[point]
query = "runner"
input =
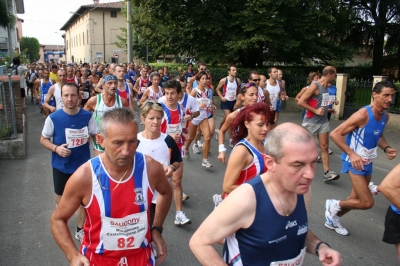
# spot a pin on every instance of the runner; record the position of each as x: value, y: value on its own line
x: 53, y: 73
x: 44, y: 87
x: 55, y: 92
x: 124, y: 89
x: 189, y: 72
x: 390, y: 189
x: 141, y: 83
x: 201, y: 94
x: 115, y: 189
x: 172, y: 125
x: 246, y: 161
x: 193, y: 83
x: 313, y: 76
x: 70, y: 128
x: 230, y: 86
x: 153, y: 92
x: 263, y: 94
x: 104, y: 102
x: 265, y: 220
x: 316, y: 100
x: 87, y: 92
x: 249, y: 96
x: 160, y: 146
x: 274, y: 90
x: 364, y: 130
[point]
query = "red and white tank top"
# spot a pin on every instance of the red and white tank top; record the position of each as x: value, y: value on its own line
x: 154, y: 96
x: 72, y: 80
x: 118, y: 221
x: 143, y: 83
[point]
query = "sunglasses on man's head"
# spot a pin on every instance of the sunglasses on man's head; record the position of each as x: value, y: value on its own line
x: 148, y: 103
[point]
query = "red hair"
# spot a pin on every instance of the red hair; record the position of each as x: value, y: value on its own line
x: 239, y: 130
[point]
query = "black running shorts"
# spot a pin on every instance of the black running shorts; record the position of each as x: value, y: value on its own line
x: 392, y: 227
x: 59, y: 179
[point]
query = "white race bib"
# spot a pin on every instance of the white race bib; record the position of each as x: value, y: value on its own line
x: 297, y: 261
x: 230, y: 95
x: 273, y: 97
x: 85, y: 95
x: 332, y: 99
x: 124, y: 233
x: 203, y: 103
x: 325, y: 99
x: 174, y: 129
x: 367, y: 154
x: 142, y: 89
x: 76, y: 137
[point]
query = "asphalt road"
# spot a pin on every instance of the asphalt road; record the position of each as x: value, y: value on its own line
x: 26, y: 196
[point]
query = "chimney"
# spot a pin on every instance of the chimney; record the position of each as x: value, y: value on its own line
x: 96, y: 2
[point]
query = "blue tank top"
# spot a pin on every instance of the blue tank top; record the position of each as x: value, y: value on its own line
x: 364, y: 140
x: 271, y: 237
x: 80, y: 154
x: 44, y: 90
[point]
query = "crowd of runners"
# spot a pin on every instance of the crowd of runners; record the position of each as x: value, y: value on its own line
x: 99, y: 107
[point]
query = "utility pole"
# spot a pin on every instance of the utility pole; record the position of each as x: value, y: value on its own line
x: 129, y: 30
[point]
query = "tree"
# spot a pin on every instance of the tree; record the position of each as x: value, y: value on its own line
x: 7, y: 17
x: 31, y: 46
x: 249, y: 32
x: 372, y: 21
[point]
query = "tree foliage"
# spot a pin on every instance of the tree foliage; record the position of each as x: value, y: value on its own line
x: 30, y: 46
x: 371, y: 21
x: 252, y: 32
x: 7, y: 17
x: 248, y: 32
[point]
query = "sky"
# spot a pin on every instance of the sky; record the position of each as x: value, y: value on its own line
x: 43, y: 19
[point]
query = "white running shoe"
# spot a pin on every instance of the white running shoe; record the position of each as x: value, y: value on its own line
x: 216, y: 134
x: 181, y: 218
x: 217, y: 199
x: 185, y: 197
x: 373, y: 189
x: 195, y: 149
x: 335, y: 225
x: 206, y: 163
x: 185, y: 153
x: 330, y: 151
x: 79, y: 235
x: 199, y: 144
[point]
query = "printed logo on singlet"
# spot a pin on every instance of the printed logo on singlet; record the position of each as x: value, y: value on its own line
x: 303, y: 229
x: 291, y: 224
x: 278, y: 240
x: 376, y: 132
x: 139, y: 199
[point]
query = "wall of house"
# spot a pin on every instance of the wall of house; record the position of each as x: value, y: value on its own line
x: 87, y: 39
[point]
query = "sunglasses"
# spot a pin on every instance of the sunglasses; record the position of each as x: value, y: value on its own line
x: 256, y: 80
x: 149, y: 103
x: 203, y: 69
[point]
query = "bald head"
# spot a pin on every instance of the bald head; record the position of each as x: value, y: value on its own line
x: 283, y: 135
x: 328, y: 70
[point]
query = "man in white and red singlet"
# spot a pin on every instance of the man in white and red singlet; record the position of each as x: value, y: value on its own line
x: 172, y: 125
x: 71, y: 78
x: 124, y: 89
x: 142, y: 82
x: 153, y: 92
x: 116, y: 190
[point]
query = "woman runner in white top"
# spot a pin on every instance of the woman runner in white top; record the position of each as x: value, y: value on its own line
x: 201, y: 93
x: 154, y: 92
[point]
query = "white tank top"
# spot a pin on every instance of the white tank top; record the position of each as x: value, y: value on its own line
x: 154, y: 96
x: 57, y: 96
x: 273, y: 93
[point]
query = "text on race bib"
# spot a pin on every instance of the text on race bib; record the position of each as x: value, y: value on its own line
x: 76, y: 137
x: 124, y: 233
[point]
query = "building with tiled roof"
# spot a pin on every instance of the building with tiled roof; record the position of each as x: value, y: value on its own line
x: 91, y: 33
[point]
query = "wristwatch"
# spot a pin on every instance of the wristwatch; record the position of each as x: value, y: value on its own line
x: 174, y: 167
x: 157, y: 228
